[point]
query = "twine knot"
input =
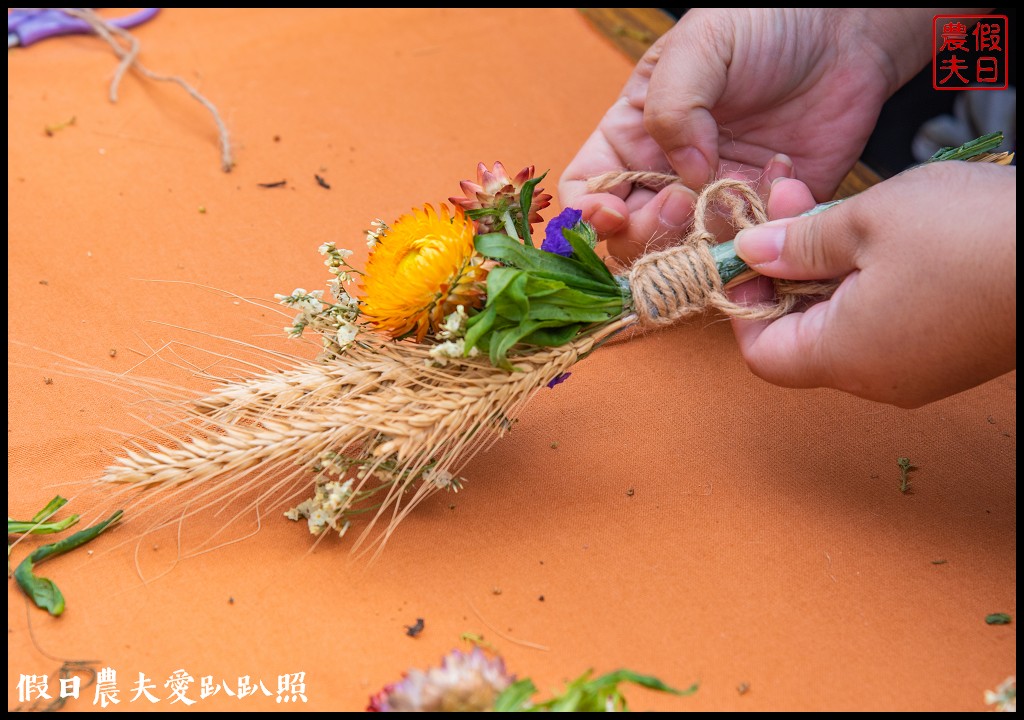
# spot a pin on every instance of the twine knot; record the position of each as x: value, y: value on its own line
x: 684, y: 280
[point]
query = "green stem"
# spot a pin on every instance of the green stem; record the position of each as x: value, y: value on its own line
x: 510, y: 227
x: 730, y: 266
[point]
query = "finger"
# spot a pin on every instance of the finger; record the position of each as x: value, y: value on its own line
x: 798, y: 350
x: 758, y: 291
x: 801, y: 349
x: 820, y: 247
x: 659, y: 223
x: 687, y: 82
x: 596, y: 156
x: 620, y: 143
x: 778, y: 168
x: 788, y: 198
x: 607, y: 213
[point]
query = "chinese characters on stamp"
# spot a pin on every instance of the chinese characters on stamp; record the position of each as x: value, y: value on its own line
x: 970, y: 52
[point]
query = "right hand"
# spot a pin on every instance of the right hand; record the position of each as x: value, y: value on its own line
x: 928, y: 302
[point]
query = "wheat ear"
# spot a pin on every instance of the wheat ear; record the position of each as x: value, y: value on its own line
x: 380, y: 404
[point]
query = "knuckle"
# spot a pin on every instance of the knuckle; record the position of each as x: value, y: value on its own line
x: 660, y: 118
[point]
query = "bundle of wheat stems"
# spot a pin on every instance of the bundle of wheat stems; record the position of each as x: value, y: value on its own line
x: 379, y: 408
x: 379, y: 425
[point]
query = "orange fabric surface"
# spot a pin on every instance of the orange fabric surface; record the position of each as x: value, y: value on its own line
x: 693, y: 522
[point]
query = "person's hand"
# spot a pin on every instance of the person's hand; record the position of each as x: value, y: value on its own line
x: 732, y: 93
x: 928, y: 305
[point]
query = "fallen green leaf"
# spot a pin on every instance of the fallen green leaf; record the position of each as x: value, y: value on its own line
x: 37, y: 525
x: 43, y: 591
x: 583, y: 694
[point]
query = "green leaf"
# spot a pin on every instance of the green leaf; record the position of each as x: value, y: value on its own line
x: 20, y: 527
x: 647, y: 681
x: 493, y: 353
x: 584, y: 253
x: 499, y: 279
x: 525, y: 201
x: 478, y: 326
x: 545, y: 311
x: 510, y: 298
x: 498, y: 246
x: 51, y: 507
x: 998, y: 619
x: 516, y: 697
x: 969, y: 149
x: 538, y: 286
x: 502, y: 342
x: 573, y: 700
x: 586, y: 695
x: 43, y: 591
x: 38, y: 526
x: 552, y: 337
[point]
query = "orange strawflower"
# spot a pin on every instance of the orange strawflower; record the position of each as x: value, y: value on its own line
x: 421, y: 269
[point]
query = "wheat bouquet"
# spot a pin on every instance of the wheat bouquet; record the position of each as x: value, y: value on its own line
x: 430, y: 351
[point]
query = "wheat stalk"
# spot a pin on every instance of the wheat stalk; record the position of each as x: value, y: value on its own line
x: 380, y: 404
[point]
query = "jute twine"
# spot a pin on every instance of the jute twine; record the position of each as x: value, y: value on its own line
x: 130, y: 59
x: 682, y: 281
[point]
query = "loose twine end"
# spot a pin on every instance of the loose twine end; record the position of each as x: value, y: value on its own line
x: 129, y: 55
x: 682, y: 281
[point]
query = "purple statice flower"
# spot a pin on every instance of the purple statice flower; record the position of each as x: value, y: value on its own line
x: 464, y: 682
x: 559, y: 380
x: 554, y: 240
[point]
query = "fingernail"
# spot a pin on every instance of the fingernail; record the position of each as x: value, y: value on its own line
x: 692, y: 167
x: 782, y: 160
x: 776, y: 180
x: 760, y: 245
x: 677, y: 209
x: 607, y: 220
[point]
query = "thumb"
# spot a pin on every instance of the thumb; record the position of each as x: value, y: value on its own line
x: 818, y: 247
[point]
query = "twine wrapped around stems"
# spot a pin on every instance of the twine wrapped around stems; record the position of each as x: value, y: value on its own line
x: 685, y: 280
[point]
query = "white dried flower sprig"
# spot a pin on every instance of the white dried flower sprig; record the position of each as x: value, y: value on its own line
x: 379, y: 228
x: 454, y: 325
x: 454, y: 346
x: 444, y: 480
x: 326, y: 509
x: 336, y: 261
x: 335, y: 322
